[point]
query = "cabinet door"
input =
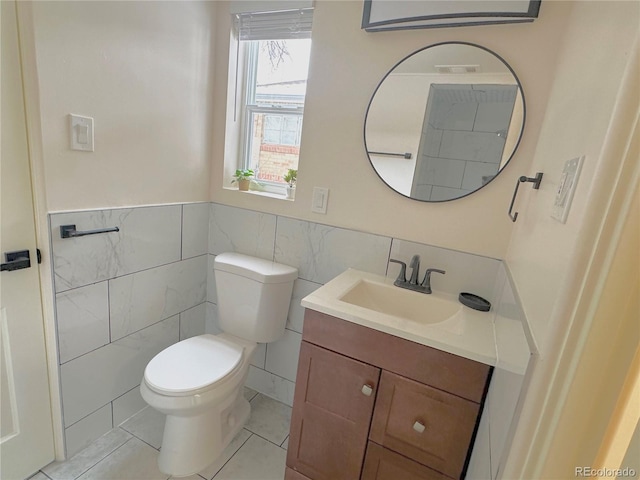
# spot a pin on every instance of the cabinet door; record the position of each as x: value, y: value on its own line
x: 428, y: 425
x: 383, y: 464
x: 333, y: 405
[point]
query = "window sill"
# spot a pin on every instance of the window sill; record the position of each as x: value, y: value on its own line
x: 277, y: 196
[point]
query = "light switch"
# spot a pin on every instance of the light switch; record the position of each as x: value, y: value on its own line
x: 320, y: 200
x: 566, y: 188
x: 81, y: 129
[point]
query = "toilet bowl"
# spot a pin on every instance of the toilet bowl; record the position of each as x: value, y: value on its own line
x: 197, y: 383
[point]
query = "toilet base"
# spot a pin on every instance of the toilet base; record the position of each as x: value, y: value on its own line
x: 192, y: 443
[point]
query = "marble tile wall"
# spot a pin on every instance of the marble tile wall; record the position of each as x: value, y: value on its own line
x: 514, y: 352
x: 320, y: 253
x: 121, y: 298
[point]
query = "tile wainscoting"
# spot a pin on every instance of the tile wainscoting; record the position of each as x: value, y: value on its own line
x: 123, y: 297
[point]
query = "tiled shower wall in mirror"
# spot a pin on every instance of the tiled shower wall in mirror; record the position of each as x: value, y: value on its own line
x: 122, y: 297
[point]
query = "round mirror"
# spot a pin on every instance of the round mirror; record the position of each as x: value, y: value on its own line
x: 444, y: 121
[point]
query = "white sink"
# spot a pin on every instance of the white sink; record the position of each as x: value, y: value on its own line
x: 391, y: 300
x: 437, y: 320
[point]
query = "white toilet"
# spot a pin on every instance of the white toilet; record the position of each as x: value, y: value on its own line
x: 198, y: 382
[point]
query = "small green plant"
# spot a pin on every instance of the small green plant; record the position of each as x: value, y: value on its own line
x: 291, y: 177
x: 244, y: 178
x: 245, y: 174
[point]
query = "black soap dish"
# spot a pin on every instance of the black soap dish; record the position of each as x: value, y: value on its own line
x: 474, y: 301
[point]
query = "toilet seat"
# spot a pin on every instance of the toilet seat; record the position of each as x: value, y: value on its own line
x: 193, y: 365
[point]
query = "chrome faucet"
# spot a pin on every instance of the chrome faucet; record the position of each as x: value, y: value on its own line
x: 412, y: 284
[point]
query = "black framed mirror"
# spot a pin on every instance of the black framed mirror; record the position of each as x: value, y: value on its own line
x: 444, y: 121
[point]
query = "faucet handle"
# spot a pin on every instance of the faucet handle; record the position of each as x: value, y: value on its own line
x: 402, y: 276
x: 426, y: 283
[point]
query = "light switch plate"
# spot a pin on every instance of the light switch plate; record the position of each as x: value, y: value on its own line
x: 81, y: 130
x: 566, y: 188
x: 320, y: 200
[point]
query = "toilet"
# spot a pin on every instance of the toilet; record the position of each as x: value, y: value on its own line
x: 198, y: 382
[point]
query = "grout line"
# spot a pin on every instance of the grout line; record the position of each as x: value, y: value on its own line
x: 181, y: 231
x: 141, y: 439
x: 106, y: 456
x: 93, y: 282
x: 234, y: 453
x: 386, y: 271
x: 266, y: 439
x: 87, y: 415
x: 108, y: 308
x: 284, y: 441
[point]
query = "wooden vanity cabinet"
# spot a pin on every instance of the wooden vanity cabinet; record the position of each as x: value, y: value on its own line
x: 372, y: 406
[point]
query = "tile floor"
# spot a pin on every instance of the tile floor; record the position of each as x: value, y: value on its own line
x: 129, y: 451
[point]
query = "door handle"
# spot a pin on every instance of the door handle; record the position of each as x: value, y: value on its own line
x: 16, y: 261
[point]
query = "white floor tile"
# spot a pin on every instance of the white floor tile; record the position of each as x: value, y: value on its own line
x: 87, y: 458
x: 148, y: 426
x: 135, y: 460
x: 258, y: 459
x: 228, y: 452
x: 39, y: 476
x: 270, y: 419
x: 285, y: 444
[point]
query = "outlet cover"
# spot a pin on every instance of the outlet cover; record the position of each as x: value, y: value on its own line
x: 566, y: 188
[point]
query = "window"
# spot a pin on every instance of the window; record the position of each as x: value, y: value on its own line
x: 276, y: 50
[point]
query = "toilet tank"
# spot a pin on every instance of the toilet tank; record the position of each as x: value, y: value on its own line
x: 253, y: 296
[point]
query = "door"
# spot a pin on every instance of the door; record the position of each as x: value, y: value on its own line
x: 26, y: 434
x: 330, y: 421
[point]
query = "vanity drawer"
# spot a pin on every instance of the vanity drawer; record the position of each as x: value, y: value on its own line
x: 383, y: 464
x: 451, y: 373
x: 404, y: 407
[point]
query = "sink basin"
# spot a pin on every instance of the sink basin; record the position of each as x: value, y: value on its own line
x: 391, y: 300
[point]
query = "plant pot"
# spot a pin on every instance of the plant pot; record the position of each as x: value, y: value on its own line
x: 243, y: 184
x: 291, y: 192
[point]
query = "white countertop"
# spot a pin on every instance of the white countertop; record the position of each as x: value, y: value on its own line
x: 469, y: 333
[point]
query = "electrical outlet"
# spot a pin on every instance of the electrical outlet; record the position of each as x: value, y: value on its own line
x: 566, y: 188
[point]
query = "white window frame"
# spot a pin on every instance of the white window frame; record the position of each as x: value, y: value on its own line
x: 250, y: 108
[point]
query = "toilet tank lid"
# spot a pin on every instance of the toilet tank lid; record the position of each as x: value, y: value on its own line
x: 264, y: 271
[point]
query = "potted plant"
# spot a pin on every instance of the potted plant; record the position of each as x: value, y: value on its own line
x: 243, y: 177
x: 290, y: 178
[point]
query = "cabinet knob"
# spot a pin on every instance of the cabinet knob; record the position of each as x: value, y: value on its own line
x: 367, y: 390
x: 418, y: 427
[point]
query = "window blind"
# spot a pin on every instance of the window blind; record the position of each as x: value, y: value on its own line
x: 285, y: 24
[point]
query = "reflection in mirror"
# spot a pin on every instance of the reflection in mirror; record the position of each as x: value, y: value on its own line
x: 444, y: 121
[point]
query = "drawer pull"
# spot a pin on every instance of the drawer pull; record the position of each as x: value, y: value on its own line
x: 418, y: 427
x: 367, y: 390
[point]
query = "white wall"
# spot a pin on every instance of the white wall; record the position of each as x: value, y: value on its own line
x: 143, y: 71
x: 542, y: 251
x: 590, y: 112
x: 346, y: 65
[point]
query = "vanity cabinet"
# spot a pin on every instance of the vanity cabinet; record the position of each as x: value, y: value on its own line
x: 369, y: 405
